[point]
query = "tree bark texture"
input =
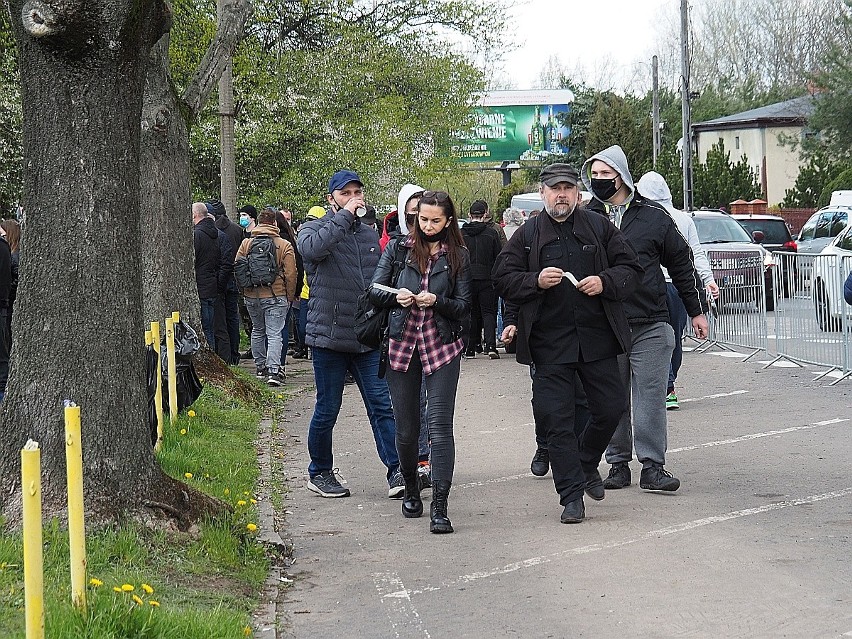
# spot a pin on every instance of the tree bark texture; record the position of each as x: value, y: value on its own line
x: 168, y: 257
x: 78, y: 314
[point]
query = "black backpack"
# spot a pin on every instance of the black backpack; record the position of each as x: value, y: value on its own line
x: 259, y: 267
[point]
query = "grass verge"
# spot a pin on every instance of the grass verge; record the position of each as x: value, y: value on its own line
x: 148, y: 583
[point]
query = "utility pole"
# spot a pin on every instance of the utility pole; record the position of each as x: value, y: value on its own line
x: 686, y: 155
x: 655, y: 109
x: 227, y: 155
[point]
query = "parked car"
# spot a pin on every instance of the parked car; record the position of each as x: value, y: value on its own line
x: 529, y: 202
x: 774, y: 236
x: 719, y: 232
x: 829, y: 276
x: 822, y: 227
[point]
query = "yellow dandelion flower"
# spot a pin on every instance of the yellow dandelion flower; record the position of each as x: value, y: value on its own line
x: 247, y: 631
x: 280, y: 396
x: 138, y: 600
x: 97, y: 583
x: 188, y: 475
x: 241, y: 502
x: 147, y: 588
x: 156, y: 604
x: 254, y: 501
x: 190, y: 413
x: 127, y: 588
x: 246, y: 493
x: 183, y: 431
x: 251, y: 527
x: 227, y: 491
x: 117, y: 588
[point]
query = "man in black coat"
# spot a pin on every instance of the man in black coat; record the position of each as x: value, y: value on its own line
x: 483, y: 244
x: 208, y: 266
x: 228, y: 310
x: 569, y: 282
x: 654, y: 236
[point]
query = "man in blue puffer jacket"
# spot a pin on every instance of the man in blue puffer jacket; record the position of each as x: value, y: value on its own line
x: 340, y: 254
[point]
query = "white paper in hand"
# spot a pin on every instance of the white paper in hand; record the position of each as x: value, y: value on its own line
x: 570, y: 277
x: 386, y: 289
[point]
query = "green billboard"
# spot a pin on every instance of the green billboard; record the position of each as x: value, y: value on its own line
x: 516, y: 126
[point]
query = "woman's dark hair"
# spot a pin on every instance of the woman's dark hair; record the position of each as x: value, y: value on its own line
x: 455, y: 241
x: 285, y: 229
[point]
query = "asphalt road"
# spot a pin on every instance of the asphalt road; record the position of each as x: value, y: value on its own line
x: 756, y: 543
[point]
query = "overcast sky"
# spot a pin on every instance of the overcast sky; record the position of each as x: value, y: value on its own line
x: 621, y: 31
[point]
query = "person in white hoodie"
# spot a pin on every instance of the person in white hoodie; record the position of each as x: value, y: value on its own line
x: 653, y: 186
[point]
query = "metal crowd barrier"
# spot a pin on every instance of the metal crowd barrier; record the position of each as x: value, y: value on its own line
x: 738, y: 317
x: 812, y: 320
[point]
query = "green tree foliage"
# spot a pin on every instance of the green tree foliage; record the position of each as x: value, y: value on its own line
x: 813, y: 177
x: 504, y: 199
x: 842, y: 182
x: 719, y: 181
x: 331, y: 84
x: 11, y: 161
x: 833, y: 116
x: 618, y: 120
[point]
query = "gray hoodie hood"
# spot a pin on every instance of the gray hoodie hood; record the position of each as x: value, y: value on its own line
x: 405, y: 194
x: 614, y: 157
x: 653, y: 186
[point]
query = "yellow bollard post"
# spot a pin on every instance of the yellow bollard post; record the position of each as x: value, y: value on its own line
x: 176, y: 316
x: 33, y: 558
x: 147, y: 338
x: 158, y: 396
x: 170, y: 352
x: 76, y: 521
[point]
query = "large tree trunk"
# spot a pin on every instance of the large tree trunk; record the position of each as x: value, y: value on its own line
x: 168, y: 258
x: 167, y: 253
x: 78, y: 313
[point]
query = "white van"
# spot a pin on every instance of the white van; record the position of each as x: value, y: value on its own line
x: 528, y: 202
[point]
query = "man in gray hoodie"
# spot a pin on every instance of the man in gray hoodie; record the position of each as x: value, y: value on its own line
x: 654, y: 236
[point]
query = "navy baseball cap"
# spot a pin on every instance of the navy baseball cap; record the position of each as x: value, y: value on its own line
x: 341, y: 179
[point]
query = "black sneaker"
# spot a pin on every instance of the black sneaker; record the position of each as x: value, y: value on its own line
x: 424, y: 472
x: 277, y: 379
x: 493, y: 354
x: 396, y: 485
x: 247, y: 355
x: 325, y: 484
x: 261, y: 373
x: 619, y: 476
x: 655, y: 477
x: 540, y: 462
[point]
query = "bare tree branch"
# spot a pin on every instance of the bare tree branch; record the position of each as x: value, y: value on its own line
x: 229, y: 34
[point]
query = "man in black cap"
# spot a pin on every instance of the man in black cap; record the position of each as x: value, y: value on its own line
x: 483, y: 244
x: 568, y: 274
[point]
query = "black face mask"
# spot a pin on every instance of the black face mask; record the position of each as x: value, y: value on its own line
x: 604, y: 189
x: 440, y: 236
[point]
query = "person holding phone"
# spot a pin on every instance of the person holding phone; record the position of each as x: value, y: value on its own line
x: 425, y: 341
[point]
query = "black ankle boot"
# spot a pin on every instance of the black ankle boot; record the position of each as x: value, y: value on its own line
x: 412, y: 506
x: 440, y: 522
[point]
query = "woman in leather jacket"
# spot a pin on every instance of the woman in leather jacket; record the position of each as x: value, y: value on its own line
x: 425, y: 325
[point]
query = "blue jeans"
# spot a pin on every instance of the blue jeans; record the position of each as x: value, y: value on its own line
x: 330, y: 369
x: 208, y: 320
x: 267, y: 319
x: 677, y: 319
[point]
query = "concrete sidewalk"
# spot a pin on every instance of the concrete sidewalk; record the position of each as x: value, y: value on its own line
x: 756, y: 543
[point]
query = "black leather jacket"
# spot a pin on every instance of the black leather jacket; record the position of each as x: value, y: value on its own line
x: 452, y: 308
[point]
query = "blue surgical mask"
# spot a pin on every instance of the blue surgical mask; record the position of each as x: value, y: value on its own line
x: 245, y: 220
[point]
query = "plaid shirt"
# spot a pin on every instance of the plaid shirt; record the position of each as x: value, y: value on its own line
x: 421, y: 335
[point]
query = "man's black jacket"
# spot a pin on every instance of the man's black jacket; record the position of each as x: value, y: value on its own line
x: 653, y: 234
x: 516, y: 272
